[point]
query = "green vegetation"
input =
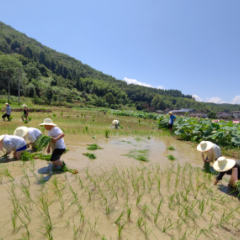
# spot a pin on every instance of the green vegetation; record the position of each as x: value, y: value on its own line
x: 171, y: 148
x: 196, y: 130
x: 90, y: 155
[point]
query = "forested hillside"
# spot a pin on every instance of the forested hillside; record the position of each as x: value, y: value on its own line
x: 50, y: 77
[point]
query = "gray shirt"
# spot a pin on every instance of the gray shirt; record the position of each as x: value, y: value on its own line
x: 214, y: 153
x: 8, y: 110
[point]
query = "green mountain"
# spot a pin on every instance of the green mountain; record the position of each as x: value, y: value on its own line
x: 50, y: 77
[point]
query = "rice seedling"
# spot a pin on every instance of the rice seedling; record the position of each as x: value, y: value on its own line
x: 26, y: 156
x: 170, y: 157
x: 120, y: 228
x: 129, y: 211
x: 139, y: 198
x: 93, y: 147
x: 107, y: 133
x: 41, y: 156
x: 171, y: 148
x: 140, y: 222
x: 42, y: 143
x: 90, y: 155
x: 5, y: 172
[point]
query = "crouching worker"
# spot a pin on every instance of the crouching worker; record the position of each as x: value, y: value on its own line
x: 57, y: 144
x: 31, y: 134
x: 115, y: 123
x: 210, y: 151
x: 229, y: 167
x: 13, y: 143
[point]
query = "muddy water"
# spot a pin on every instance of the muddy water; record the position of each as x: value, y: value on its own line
x: 99, y: 204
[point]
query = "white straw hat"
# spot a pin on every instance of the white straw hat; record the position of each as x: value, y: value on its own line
x: 47, y: 121
x: 204, y: 146
x: 170, y: 112
x: 1, y: 137
x: 223, y: 164
x: 24, y: 105
x: 6, y: 103
x: 21, y: 131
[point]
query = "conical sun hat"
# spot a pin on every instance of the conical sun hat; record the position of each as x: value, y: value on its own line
x: 47, y: 121
x: 21, y: 131
x: 24, y: 105
x: 223, y: 164
x: 1, y: 137
x: 204, y: 146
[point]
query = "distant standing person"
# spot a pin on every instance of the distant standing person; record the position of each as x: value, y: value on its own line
x: 171, y: 121
x: 8, y: 112
x: 115, y: 123
x: 25, y: 112
x: 13, y: 143
x: 31, y: 134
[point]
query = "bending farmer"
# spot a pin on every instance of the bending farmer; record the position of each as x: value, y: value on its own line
x: 31, y: 134
x: 229, y: 167
x: 8, y: 112
x: 57, y: 144
x: 13, y: 143
x: 211, y: 150
x: 171, y: 121
x: 115, y: 123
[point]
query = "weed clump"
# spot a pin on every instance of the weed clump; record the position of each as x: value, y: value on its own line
x: 170, y: 157
x: 171, y: 148
x: 141, y: 155
x: 90, y: 155
x: 93, y: 147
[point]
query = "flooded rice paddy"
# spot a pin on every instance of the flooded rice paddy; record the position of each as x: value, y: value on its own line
x: 114, y: 196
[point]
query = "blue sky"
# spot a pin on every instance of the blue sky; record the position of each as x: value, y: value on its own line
x: 189, y: 45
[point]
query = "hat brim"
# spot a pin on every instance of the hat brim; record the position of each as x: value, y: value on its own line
x: 224, y: 168
x: 24, y: 133
x: 2, y: 137
x: 209, y: 146
x: 49, y: 124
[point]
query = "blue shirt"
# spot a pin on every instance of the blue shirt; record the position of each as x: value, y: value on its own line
x: 171, y: 119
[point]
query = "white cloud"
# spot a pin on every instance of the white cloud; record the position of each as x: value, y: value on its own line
x: 215, y: 100
x: 236, y: 100
x: 136, y: 82
x: 197, y: 98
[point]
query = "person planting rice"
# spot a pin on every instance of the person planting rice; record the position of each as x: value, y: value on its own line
x: 171, y: 121
x: 229, y: 167
x: 211, y: 150
x: 57, y: 144
x: 13, y: 143
x: 115, y: 123
x: 8, y: 112
x: 25, y: 112
x: 31, y: 134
